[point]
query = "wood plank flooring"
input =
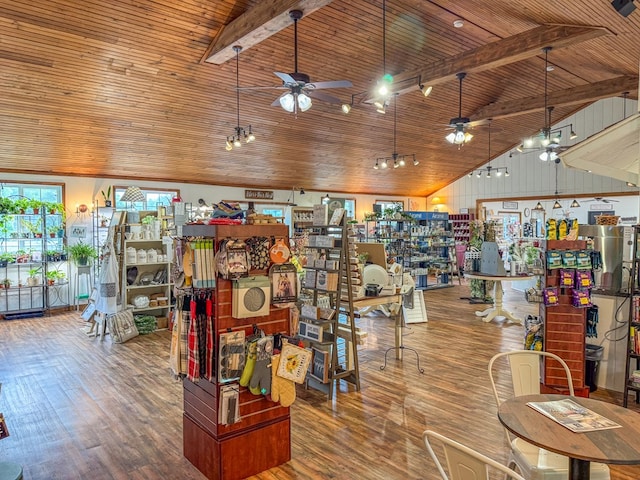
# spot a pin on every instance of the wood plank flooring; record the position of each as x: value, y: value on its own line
x: 80, y: 408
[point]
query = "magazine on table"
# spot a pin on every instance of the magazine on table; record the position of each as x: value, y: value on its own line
x: 573, y: 416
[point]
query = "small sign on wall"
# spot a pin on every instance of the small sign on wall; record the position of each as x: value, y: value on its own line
x: 510, y: 205
x: 259, y: 194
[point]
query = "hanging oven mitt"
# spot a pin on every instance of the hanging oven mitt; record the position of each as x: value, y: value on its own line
x: 282, y: 390
x: 249, y: 366
x: 261, y: 378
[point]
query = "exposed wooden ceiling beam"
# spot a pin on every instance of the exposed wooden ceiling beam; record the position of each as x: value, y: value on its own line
x: 561, y: 98
x: 496, y: 54
x: 257, y: 24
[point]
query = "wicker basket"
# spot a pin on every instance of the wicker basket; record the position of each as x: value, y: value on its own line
x: 607, y: 220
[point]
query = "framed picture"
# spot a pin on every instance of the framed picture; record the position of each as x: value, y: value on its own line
x: 284, y: 283
x: 320, y: 365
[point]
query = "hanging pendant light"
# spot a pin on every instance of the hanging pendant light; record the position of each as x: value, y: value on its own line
x: 539, y: 207
x: 240, y: 133
x: 574, y: 204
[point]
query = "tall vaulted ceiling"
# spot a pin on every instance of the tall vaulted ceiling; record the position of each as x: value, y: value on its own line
x: 146, y: 88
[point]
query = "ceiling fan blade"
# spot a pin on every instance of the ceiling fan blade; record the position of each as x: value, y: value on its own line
x: 286, y: 78
x: 330, y: 84
x: 275, y: 87
x: 276, y: 102
x: 323, y: 96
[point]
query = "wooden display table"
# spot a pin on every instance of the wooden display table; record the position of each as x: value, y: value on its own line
x: 497, y: 310
x: 612, y: 446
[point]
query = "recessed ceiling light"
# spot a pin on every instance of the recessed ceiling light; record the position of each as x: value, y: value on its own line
x: 458, y: 23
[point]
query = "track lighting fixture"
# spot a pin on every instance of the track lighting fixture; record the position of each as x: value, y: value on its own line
x: 425, y: 89
x: 398, y: 160
x: 240, y: 133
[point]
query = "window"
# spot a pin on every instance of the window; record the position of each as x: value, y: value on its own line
x: 350, y: 207
x: 154, y: 197
x: 274, y: 212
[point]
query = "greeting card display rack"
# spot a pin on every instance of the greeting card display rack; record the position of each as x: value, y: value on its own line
x: 327, y: 320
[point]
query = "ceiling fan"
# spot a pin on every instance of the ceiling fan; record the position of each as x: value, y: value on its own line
x: 300, y: 89
x: 602, y: 200
x: 460, y: 124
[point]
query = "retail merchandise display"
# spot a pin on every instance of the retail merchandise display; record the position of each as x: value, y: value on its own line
x: 228, y: 340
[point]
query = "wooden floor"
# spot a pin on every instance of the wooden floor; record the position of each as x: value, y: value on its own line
x: 80, y: 408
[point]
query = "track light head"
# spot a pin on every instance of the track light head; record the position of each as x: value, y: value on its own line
x: 506, y: 172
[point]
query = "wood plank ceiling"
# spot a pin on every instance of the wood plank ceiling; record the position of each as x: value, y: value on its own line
x: 120, y: 88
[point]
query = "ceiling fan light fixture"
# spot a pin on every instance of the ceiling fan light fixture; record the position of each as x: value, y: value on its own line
x: 304, y: 102
x: 545, y: 156
x: 287, y: 101
x: 237, y: 143
x: 451, y: 137
x: 574, y: 204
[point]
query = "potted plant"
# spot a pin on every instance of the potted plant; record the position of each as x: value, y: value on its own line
x: 106, y: 196
x: 6, y: 258
x: 35, y: 205
x: 33, y: 278
x: 81, y: 253
x: 7, y: 206
x: 34, y: 228
x: 6, y: 283
x: 22, y: 204
x: 54, y: 276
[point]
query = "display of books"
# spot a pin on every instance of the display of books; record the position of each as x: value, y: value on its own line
x: 573, y: 416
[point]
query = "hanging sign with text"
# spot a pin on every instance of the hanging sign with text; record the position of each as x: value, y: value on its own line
x: 259, y: 194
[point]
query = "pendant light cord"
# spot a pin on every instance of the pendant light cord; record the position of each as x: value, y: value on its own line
x: 395, y: 123
x: 238, y: 85
x: 295, y: 43
x: 384, y: 38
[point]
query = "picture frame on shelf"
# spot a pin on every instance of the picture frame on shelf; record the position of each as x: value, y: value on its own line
x: 320, y: 365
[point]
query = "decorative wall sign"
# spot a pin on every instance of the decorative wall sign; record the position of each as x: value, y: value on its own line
x: 510, y: 205
x: 601, y: 206
x: 259, y: 194
x: 78, y: 232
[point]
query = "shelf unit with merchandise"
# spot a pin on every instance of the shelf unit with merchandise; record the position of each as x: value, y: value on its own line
x: 211, y: 442
x: 632, y: 365
x: 327, y: 318
x: 460, y: 226
x: 564, y: 325
x: 146, y: 276
x: 433, y: 250
x: 395, y: 235
x: 32, y: 248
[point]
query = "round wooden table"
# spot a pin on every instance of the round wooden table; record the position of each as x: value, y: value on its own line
x: 497, y: 310
x: 611, y: 446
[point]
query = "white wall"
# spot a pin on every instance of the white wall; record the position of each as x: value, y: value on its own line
x: 530, y: 177
x: 79, y: 190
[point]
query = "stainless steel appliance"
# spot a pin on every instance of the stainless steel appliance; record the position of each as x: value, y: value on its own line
x: 609, y: 242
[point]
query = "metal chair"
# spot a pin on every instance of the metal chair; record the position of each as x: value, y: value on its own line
x: 533, y: 462
x: 463, y: 462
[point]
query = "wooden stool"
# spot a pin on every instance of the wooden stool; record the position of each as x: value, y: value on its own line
x: 10, y: 471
